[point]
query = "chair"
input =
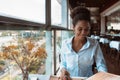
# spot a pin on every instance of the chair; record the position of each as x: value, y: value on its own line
x: 113, y: 54
x: 117, y: 63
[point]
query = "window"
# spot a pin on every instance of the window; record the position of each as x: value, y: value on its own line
x: 59, y: 13
x: 116, y: 26
x: 30, y: 10
x: 58, y: 47
x: 56, y: 12
x: 57, y: 39
x: 7, y: 66
x: 70, y: 26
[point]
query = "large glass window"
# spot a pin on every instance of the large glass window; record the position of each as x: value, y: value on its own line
x: 9, y: 68
x: 56, y: 12
x: 57, y: 39
x: 58, y: 47
x: 70, y: 26
x: 59, y: 13
x: 115, y: 26
x: 30, y: 10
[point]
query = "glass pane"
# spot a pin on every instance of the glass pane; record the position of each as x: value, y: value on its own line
x: 116, y: 26
x: 55, y: 12
x: 70, y: 26
x: 67, y: 35
x: 58, y: 47
x: 25, y: 47
x: 30, y: 10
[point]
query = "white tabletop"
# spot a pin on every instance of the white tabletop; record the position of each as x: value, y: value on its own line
x: 104, y: 40
x: 95, y: 37
x: 39, y: 77
x: 115, y: 44
x: 48, y: 77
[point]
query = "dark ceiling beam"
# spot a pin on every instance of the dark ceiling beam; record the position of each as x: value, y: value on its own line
x: 107, y: 5
x: 18, y: 24
x: 115, y: 7
x: 101, y: 4
x: 9, y: 20
x: 74, y: 3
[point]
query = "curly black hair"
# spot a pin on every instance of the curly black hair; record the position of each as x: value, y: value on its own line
x: 80, y: 13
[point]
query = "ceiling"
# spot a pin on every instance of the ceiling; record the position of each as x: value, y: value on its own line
x: 114, y: 17
x: 96, y: 7
x: 101, y: 4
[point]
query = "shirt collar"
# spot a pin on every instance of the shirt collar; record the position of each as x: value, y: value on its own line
x: 85, y: 46
x: 69, y: 43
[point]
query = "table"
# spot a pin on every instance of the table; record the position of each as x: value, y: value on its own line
x: 95, y: 37
x: 104, y: 76
x: 104, y: 40
x: 97, y: 76
x: 48, y: 77
x: 39, y: 77
x: 74, y: 78
x: 115, y: 44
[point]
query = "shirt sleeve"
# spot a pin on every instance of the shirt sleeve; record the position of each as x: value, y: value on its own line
x: 100, y: 61
x: 63, y: 58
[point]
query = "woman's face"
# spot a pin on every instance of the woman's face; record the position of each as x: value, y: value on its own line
x: 81, y: 29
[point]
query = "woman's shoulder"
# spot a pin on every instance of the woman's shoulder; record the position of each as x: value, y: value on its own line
x: 91, y: 40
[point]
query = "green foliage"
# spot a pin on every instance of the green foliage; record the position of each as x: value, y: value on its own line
x: 35, y: 67
x: 2, y: 62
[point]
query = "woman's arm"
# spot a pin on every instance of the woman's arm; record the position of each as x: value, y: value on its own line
x: 64, y: 73
x: 99, y: 59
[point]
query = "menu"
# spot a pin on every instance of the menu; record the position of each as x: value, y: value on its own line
x: 97, y: 76
x: 104, y: 76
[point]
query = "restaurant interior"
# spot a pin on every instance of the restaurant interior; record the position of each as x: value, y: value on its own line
x: 48, y: 22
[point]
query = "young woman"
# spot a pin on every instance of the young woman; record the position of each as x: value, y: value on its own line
x: 80, y: 52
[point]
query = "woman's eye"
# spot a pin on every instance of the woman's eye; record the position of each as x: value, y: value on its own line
x: 83, y: 29
x: 86, y: 29
x: 80, y: 29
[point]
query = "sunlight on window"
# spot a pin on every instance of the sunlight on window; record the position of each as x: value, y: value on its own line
x: 116, y: 26
x: 9, y: 66
x: 31, y: 10
x: 55, y: 12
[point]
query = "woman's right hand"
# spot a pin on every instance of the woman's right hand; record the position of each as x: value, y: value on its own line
x: 64, y: 75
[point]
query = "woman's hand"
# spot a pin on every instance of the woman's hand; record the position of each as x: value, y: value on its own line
x: 65, y: 75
